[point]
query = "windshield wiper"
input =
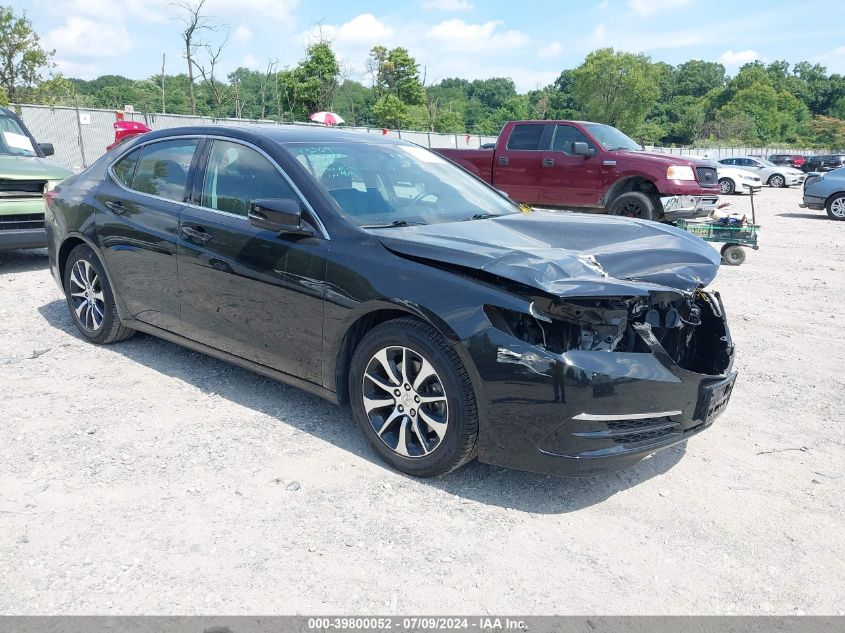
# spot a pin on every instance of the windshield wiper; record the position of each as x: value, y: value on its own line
x: 482, y: 216
x: 394, y: 223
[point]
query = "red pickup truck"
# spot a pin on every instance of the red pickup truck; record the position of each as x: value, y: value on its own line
x: 591, y: 166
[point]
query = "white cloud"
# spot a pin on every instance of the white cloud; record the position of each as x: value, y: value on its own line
x: 732, y: 60
x: 459, y: 36
x: 249, y: 61
x: 600, y: 34
x: 448, y: 5
x: 365, y: 28
x: 650, y: 7
x: 834, y: 60
x: 552, y: 49
x: 278, y: 10
x: 82, y: 37
x: 242, y: 35
x: 76, y: 70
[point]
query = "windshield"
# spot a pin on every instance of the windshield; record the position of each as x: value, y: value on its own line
x: 611, y: 138
x: 13, y: 139
x: 393, y: 185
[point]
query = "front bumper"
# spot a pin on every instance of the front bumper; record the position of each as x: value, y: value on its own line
x: 581, y: 413
x: 684, y: 206
x: 793, y: 179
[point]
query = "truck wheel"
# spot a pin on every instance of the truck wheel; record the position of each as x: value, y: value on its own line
x: 733, y: 255
x: 726, y: 186
x: 634, y: 205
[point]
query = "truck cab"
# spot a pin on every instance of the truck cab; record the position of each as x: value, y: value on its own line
x: 591, y: 167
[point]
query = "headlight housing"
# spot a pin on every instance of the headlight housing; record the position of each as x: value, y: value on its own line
x: 680, y: 172
x: 51, y: 184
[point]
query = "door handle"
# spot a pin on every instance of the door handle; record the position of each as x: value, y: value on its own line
x: 115, y: 205
x: 196, y: 234
x: 548, y: 162
x: 503, y: 160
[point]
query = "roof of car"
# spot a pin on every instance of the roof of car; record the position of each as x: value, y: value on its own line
x: 281, y: 133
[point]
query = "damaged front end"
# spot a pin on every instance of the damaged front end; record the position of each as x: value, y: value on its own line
x: 608, y: 381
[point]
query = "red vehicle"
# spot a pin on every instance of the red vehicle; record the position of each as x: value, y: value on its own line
x: 591, y: 166
x: 124, y: 130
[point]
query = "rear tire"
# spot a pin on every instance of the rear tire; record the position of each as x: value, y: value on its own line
x: 836, y: 207
x: 413, y: 399
x: 733, y: 255
x: 726, y: 186
x: 90, y: 298
x: 634, y: 204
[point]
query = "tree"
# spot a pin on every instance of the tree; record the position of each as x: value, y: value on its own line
x: 390, y: 111
x: 615, y: 88
x: 22, y: 60
x: 317, y: 75
x: 195, y: 23
x: 395, y: 71
x: 696, y: 78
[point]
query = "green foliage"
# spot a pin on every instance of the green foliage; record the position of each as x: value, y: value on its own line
x: 22, y: 60
x: 616, y: 88
x: 654, y: 102
x: 4, y: 98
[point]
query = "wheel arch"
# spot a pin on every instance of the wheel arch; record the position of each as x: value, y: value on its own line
x: 375, y: 314
x: 70, y: 242
x: 639, y: 183
x: 832, y: 196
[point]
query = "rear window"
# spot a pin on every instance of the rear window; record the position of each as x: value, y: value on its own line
x: 526, y: 136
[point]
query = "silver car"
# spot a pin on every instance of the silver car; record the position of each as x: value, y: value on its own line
x: 826, y: 191
x: 771, y: 174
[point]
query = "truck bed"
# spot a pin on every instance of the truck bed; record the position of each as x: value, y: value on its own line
x: 476, y: 161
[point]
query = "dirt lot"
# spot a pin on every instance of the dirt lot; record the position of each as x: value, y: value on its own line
x: 145, y: 478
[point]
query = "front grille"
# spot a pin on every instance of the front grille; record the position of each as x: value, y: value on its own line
x: 21, y: 222
x: 707, y: 176
x: 22, y: 188
x: 635, y: 438
x: 641, y: 430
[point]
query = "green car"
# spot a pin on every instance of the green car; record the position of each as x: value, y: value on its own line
x: 24, y: 179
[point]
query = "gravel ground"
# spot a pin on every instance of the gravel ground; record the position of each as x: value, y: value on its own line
x: 146, y: 478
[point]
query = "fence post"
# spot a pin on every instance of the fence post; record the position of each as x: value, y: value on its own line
x: 79, y: 132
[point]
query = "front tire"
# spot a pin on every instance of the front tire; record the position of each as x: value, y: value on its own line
x: 726, y: 186
x: 413, y: 398
x: 90, y: 298
x: 634, y: 204
x: 836, y: 207
x: 776, y: 180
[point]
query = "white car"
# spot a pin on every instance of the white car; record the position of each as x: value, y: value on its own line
x: 735, y: 180
x: 771, y: 174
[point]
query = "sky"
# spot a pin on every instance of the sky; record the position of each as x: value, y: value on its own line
x: 529, y: 41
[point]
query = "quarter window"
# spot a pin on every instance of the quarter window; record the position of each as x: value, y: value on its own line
x: 526, y: 136
x: 163, y: 167
x: 124, y: 169
x: 236, y: 175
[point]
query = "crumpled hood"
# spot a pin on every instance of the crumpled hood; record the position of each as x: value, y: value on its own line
x: 566, y: 254
x: 31, y: 168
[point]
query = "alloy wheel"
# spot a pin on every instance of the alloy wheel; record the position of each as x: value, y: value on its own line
x: 776, y: 181
x: 86, y: 295
x: 837, y: 207
x: 632, y: 209
x: 405, y: 401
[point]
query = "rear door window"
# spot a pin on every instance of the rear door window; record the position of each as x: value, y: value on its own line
x: 526, y: 136
x: 163, y: 168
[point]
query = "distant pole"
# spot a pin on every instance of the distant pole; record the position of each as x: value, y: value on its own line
x: 163, y: 107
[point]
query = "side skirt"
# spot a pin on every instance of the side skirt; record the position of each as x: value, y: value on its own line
x: 269, y: 372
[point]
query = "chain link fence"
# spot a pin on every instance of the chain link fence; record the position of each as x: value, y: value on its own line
x: 80, y: 135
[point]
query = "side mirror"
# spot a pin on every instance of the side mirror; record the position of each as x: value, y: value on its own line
x: 46, y: 149
x: 580, y: 148
x: 282, y: 215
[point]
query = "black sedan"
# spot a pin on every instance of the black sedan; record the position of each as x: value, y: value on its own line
x: 373, y: 272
